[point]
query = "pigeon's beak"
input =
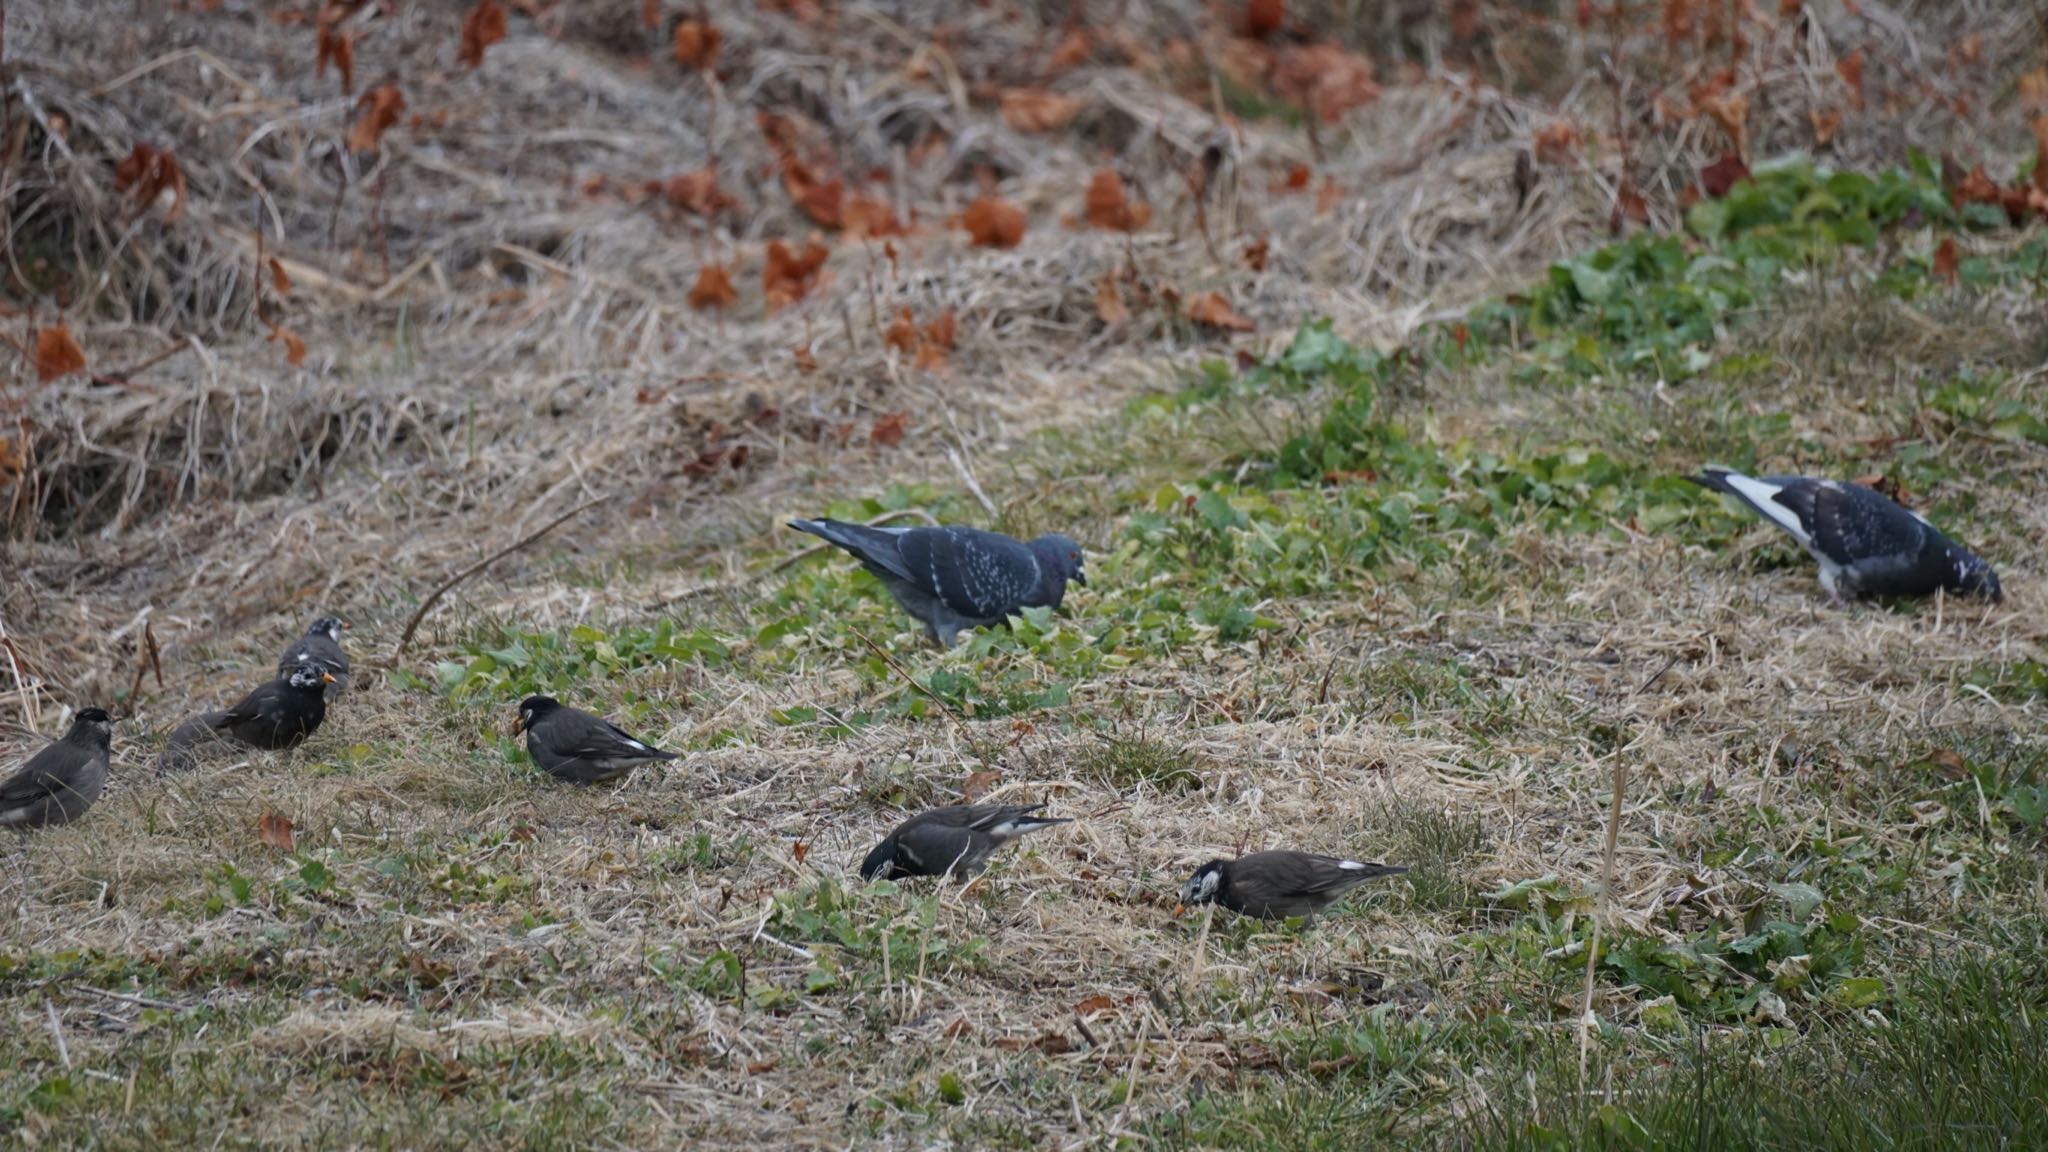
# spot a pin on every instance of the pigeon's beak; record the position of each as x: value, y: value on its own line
x: 1080, y: 578
x: 518, y: 725
x: 344, y: 625
x: 327, y: 677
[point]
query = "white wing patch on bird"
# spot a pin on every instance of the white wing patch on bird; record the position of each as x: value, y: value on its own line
x: 1351, y: 865
x: 1763, y: 498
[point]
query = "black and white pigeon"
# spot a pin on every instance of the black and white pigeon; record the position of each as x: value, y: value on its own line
x: 956, y: 841
x: 578, y: 747
x: 1866, y: 542
x: 60, y: 782
x: 321, y: 648
x: 275, y: 716
x: 954, y: 577
x: 1280, y: 885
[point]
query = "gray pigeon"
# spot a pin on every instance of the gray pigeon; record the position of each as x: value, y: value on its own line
x: 320, y: 647
x: 956, y: 840
x: 60, y: 782
x: 1280, y: 885
x: 274, y: 716
x: 1865, y: 541
x: 576, y: 746
x: 952, y: 578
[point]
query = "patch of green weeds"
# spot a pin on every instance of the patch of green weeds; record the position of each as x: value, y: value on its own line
x: 865, y: 938
x: 1127, y: 761
x: 515, y: 664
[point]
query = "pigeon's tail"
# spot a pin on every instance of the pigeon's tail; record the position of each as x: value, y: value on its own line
x: 874, y: 545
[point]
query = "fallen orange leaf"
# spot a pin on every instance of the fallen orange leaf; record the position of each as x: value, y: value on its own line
x: 276, y: 830
x: 483, y: 27
x: 1212, y: 310
x: 993, y: 222
x: 697, y: 192
x: 1826, y: 122
x: 1945, y: 260
x: 1072, y: 50
x: 376, y: 112
x: 148, y: 173
x: 1732, y: 114
x: 278, y: 279
x: 869, y: 216
x: 696, y: 44
x: 1262, y: 18
x: 1255, y: 253
x: 1557, y: 143
x: 1324, y: 80
x: 787, y: 277
x: 1109, y: 301
x: 338, y: 48
x: 294, y: 348
x: 1038, y: 110
x: 888, y: 430
x: 1717, y: 178
x: 713, y: 289
x: 1110, y: 207
x: 902, y: 334
x: 978, y: 784
x: 1850, y: 69
x: 57, y: 354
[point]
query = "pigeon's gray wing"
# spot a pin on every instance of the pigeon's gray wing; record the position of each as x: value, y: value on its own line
x: 980, y: 575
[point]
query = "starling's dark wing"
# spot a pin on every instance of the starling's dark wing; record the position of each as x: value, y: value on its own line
x: 47, y: 773
x: 579, y: 735
x: 980, y: 575
x: 1305, y: 873
x: 931, y: 848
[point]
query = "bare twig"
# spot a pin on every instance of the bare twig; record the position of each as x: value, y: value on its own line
x: 433, y: 598
x: 1600, y: 911
x: 131, y: 998
x: 967, y: 478
x: 57, y: 1033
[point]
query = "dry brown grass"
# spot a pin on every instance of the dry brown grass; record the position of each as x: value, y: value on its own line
x: 490, y: 345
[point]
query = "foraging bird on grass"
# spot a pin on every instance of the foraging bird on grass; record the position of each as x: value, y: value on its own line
x: 60, y: 782
x: 952, y: 578
x: 956, y: 841
x: 578, y: 747
x: 273, y: 717
x: 1280, y: 885
x: 320, y: 647
x: 1865, y: 541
